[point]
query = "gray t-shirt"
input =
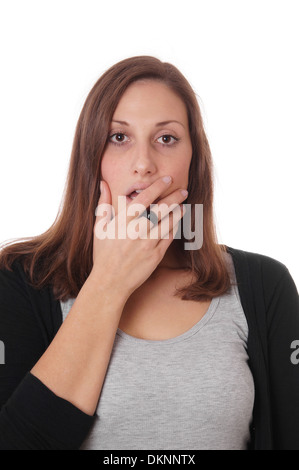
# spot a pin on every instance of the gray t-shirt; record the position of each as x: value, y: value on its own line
x: 191, y: 392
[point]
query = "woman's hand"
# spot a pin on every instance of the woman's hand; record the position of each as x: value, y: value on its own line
x: 84, y: 342
x: 127, y: 262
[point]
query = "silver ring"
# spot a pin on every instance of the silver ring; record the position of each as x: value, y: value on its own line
x: 151, y: 216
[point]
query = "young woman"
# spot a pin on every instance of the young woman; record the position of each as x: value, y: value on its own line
x: 137, y: 342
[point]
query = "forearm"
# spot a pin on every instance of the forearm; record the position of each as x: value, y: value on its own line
x: 75, y: 363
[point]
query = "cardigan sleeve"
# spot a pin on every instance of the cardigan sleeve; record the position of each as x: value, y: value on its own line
x: 31, y: 416
x: 282, y: 307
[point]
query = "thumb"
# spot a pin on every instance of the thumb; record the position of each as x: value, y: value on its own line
x: 104, y: 209
x: 105, y: 196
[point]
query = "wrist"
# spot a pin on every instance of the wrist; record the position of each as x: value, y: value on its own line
x: 99, y: 284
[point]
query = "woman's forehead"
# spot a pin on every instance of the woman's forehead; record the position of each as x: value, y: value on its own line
x: 151, y: 101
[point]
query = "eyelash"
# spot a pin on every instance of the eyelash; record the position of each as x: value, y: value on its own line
x: 176, y: 139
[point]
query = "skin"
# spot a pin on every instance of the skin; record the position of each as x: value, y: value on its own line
x: 75, y: 364
x: 143, y: 154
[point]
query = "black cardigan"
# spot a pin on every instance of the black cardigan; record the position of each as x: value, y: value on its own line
x: 33, y: 417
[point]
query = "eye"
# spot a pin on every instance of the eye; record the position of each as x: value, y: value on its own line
x: 118, y: 138
x: 168, y: 139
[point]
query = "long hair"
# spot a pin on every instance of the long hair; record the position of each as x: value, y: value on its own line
x: 62, y: 256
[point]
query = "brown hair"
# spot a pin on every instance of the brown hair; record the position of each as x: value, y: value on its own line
x: 62, y: 256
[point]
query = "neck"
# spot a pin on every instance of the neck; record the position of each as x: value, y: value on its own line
x: 172, y: 259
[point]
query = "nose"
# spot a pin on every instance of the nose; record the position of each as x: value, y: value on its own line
x: 142, y: 160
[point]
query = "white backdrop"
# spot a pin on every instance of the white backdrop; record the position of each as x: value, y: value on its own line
x: 241, y: 57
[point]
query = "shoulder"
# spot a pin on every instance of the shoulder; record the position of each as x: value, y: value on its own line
x: 21, y: 301
x: 265, y: 279
x: 16, y: 277
x: 257, y: 264
x: 13, y: 278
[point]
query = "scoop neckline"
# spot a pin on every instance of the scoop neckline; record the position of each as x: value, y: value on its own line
x: 183, y: 336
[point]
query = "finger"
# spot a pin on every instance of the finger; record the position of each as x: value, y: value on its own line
x: 165, y: 242
x: 104, y: 209
x: 176, y: 221
x: 158, y: 211
x: 168, y: 204
x: 150, y: 195
x: 168, y: 223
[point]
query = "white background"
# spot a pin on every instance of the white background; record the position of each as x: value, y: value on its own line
x: 241, y: 58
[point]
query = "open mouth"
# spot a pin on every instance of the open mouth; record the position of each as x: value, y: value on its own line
x: 130, y: 197
x: 134, y: 194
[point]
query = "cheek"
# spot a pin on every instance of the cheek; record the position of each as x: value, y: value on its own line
x: 181, y: 174
x: 111, y: 172
x: 107, y: 168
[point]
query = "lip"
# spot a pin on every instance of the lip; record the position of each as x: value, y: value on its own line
x: 137, y: 186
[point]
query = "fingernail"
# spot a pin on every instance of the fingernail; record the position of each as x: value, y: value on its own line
x: 184, y: 192
x: 101, y: 186
x: 166, y: 179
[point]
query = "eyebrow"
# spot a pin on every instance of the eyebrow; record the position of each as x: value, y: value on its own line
x: 163, y: 123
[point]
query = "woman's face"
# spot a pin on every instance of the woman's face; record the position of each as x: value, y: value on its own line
x: 149, y: 138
